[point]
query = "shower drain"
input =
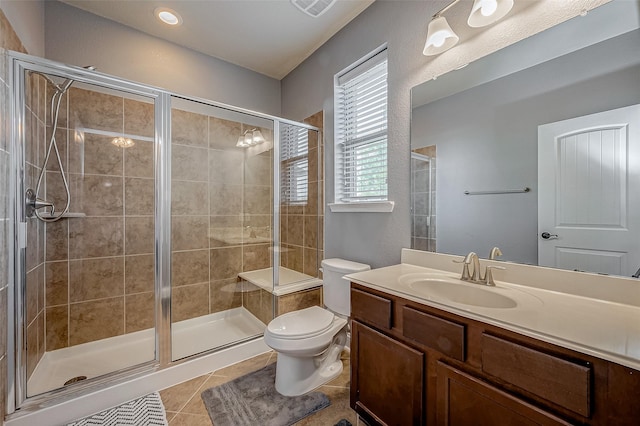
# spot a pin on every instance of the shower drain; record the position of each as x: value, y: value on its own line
x: 74, y: 380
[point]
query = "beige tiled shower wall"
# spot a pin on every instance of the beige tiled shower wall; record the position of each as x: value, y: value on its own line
x: 298, y: 300
x: 99, y: 270
x: 8, y: 41
x: 302, y: 225
x: 221, y: 213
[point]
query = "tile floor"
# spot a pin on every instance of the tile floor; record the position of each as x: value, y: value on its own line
x: 185, y: 408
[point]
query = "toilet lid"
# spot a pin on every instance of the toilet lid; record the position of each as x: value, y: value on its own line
x: 305, y: 322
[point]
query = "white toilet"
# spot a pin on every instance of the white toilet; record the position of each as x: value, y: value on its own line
x: 309, y: 341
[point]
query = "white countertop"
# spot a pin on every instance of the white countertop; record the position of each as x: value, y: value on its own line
x: 601, y: 328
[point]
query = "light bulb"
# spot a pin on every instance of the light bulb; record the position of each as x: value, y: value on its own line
x: 488, y: 7
x: 487, y: 12
x: 439, y: 38
x: 168, y: 16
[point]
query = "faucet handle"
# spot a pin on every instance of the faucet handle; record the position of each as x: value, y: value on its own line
x: 488, y: 276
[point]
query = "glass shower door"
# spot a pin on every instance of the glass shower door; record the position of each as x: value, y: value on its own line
x: 221, y: 192
x: 300, y: 209
x: 89, y: 292
x: 423, y: 198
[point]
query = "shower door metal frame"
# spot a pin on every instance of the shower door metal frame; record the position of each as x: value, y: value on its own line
x: 16, y: 375
x: 16, y: 348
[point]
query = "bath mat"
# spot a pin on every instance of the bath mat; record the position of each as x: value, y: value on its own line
x: 145, y: 411
x: 253, y: 400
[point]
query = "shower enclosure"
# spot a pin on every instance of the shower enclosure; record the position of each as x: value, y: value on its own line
x: 171, y: 200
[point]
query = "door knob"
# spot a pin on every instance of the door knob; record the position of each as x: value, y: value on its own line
x: 548, y: 236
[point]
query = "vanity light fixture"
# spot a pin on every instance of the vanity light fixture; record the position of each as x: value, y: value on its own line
x: 168, y: 16
x: 440, y: 36
x: 250, y: 138
x: 486, y: 12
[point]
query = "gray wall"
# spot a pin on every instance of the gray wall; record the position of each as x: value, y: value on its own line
x: 373, y: 238
x: 27, y: 20
x: 79, y: 38
x: 486, y: 139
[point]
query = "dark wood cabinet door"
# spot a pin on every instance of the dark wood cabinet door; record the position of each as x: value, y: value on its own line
x: 464, y: 400
x: 387, y: 380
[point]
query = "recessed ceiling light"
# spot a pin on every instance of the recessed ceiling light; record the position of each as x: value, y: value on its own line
x: 168, y: 16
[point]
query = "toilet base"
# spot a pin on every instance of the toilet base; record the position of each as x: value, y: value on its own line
x: 299, y: 375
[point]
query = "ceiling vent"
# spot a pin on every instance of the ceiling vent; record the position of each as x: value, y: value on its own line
x: 313, y: 8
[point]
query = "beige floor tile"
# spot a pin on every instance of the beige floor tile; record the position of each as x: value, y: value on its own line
x: 215, y: 380
x: 244, y: 367
x: 190, y: 420
x: 170, y: 415
x: 176, y: 397
x: 195, y: 405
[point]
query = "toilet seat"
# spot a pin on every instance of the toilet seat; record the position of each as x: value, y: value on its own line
x: 301, y: 324
x: 306, y: 332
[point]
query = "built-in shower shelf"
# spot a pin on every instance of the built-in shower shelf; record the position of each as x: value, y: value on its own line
x: 66, y: 215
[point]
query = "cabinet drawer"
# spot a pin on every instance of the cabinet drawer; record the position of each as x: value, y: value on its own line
x: 466, y: 400
x: 557, y: 380
x: 437, y: 333
x: 371, y: 309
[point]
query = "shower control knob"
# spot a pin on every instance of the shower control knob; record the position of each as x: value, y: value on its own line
x: 547, y: 236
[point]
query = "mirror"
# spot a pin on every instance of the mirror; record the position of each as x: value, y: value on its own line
x: 475, y: 179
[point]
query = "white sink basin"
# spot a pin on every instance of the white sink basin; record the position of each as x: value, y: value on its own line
x: 466, y: 294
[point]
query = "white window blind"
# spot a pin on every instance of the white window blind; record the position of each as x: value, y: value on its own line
x: 361, y: 132
x: 294, y: 167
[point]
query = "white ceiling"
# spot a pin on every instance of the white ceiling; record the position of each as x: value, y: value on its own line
x: 271, y: 37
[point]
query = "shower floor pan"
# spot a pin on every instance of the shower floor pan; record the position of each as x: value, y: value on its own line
x: 104, y: 356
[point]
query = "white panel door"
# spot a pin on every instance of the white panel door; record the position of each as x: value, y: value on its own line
x: 589, y: 192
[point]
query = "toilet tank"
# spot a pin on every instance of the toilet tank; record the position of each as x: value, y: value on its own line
x: 336, y: 290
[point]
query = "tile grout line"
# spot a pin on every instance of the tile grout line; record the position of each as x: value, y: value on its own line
x: 196, y: 392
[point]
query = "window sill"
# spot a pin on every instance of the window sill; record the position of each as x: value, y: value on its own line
x: 363, y: 207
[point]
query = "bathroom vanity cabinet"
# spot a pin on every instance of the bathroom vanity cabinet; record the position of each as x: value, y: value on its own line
x: 413, y: 364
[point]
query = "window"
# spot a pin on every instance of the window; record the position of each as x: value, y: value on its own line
x: 361, y: 131
x: 294, y: 166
